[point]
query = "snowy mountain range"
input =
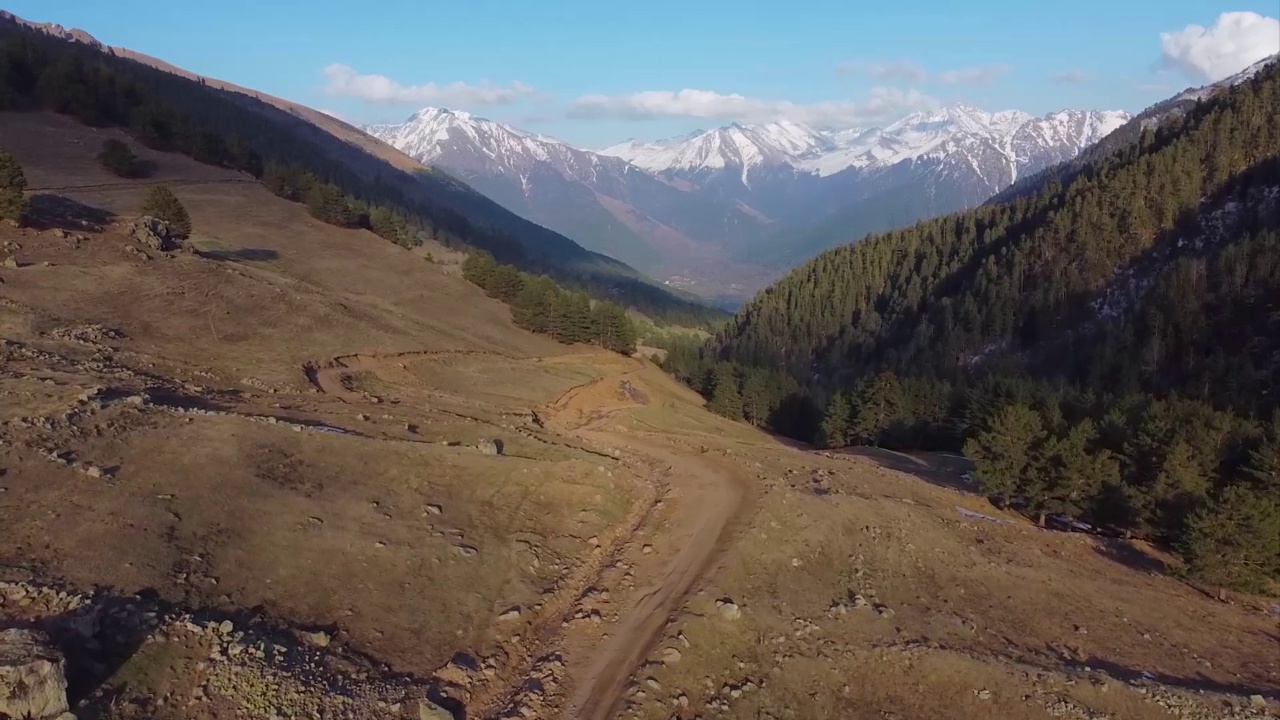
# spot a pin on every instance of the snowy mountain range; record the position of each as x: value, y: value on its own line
x: 1015, y: 140
x: 605, y: 203
x: 714, y: 205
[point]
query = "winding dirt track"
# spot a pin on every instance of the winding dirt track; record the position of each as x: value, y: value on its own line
x: 710, y: 499
x: 705, y: 499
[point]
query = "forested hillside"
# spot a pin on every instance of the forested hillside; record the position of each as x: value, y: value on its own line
x: 1108, y: 349
x: 343, y: 183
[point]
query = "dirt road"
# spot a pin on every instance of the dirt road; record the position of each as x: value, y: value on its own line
x: 703, y: 499
x: 708, y: 500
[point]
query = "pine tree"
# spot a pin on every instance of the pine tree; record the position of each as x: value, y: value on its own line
x: 534, y: 307
x: 478, y: 267
x: 615, y: 330
x: 1004, y: 454
x: 389, y: 224
x: 326, y: 203
x: 162, y: 203
x: 505, y: 283
x: 117, y: 157
x: 877, y: 406
x: 1073, y: 470
x: 1234, y: 542
x: 13, y: 203
x: 726, y: 399
x: 835, y: 429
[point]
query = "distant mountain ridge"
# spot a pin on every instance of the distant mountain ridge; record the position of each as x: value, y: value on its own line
x: 604, y: 202
x: 739, y: 203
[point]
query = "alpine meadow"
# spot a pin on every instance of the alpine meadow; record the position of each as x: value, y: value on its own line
x: 569, y: 361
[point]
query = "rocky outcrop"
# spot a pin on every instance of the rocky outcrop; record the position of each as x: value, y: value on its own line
x: 153, y: 233
x: 33, y: 681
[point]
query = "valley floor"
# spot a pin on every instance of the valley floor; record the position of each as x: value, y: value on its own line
x: 306, y: 473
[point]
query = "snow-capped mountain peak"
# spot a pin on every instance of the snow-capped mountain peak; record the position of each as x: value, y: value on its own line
x: 1022, y: 142
x: 734, y: 146
x: 428, y: 133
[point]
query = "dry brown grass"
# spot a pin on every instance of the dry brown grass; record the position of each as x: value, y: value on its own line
x: 227, y: 510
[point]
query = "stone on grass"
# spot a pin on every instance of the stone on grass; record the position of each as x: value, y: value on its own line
x: 33, y: 681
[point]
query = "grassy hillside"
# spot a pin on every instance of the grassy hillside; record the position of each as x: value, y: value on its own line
x: 170, y: 111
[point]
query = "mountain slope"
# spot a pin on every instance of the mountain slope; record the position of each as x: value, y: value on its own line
x: 1009, y: 275
x: 186, y: 106
x: 1104, y: 350
x: 826, y: 187
x: 1131, y: 131
x: 606, y: 203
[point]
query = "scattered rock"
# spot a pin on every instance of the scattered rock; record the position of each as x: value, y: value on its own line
x: 729, y: 610
x: 93, y: 471
x: 670, y: 656
x: 511, y: 614
x: 983, y: 694
x: 465, y: 550
x: 647, y: 549
x: 33, y: 682
x: 428, y: 710
x: 432, y: 509
x: 60, y: 233
x: 154, y: 233
x: 318, y: 638
x: 11, y: 262
x: 1257, y: 701
x: 489, y: 447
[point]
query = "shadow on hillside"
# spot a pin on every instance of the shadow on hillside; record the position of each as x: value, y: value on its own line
x: 241, y: 255
x: 934, y: 468
x: 1197, y: 683
x: 48, y: 211
x: 1127, y: 554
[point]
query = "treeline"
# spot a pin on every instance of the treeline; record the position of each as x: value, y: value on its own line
x: 35, y: 75
x: 1106, y: 349
x: 539, y: 305
x: 340, y: 182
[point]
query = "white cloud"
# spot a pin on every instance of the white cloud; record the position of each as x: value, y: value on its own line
x: 343, y: 80
x: 882, y: 104
x: 1235, y: 41
x: 983, y: 75
x: 1070, y: 77
x: 901, y: 70
x: 910, y: 72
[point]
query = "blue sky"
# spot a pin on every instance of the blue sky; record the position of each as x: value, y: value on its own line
x: 596, y: 72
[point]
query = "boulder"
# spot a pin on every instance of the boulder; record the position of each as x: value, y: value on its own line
x: 428, y: 710
x: 729, y: 610
x: 489, y: 447
x: 154, y: 233
x: 33, y: 680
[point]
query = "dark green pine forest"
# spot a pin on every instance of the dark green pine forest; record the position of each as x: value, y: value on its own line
x: 339, y: 182
x: 1105, y: 347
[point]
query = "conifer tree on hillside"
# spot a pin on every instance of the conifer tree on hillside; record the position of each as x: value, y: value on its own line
x: 13, y: 203
x: 614, y: 328
x: 1235, y: 541
x: 834, y: 431
x: 726, y: 399
x: 117, y: 157
x: 876, y: 408
x: 1007, y: 454
x: 162, y: 203
x: 505, y: 283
